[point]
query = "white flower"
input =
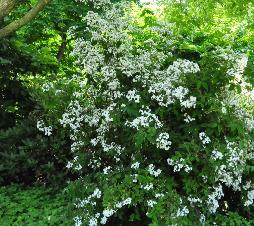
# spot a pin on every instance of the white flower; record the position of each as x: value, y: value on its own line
x: 41, y: 127
x: 193, y: 200
x: 133, y: 96
x: 158, y: 195
x: 152, y: 171
x: 47, y: 86
x: 151, y: 203
x: 145, y: 120
x: 96, y: 193
x: 183, y: 66
x: 213, y: 198
x: 77, y: 220
x: 93, y: 222
x: 73, y: 116
x: 179, y: 164
x: 250, y: 197
x: 108, y: 212
x: 104, y: 220
x: 69, y: 165
x: 180, y: 92
x: 181, y: 212
x: 188, y: 118
x: 223, y: 110
x: 216, y: 155
x: 123, y: 203
x: 204, y: 138
x: 106, y: 170
x: 134, y: 180
x: 202, y: 219
x: 147, y: 186
x: 163, y: 141
x: 94, y: 141
x: 127, y: 201
x: 135, y: 165
x: 78, y: 167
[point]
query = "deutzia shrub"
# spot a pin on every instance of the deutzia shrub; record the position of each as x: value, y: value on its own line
x: 150, y: 140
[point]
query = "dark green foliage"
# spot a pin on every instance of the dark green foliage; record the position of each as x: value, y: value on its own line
x: 28, y: 157
x: 15, y: 102
x: 35, y: 206
x: 25, y: 154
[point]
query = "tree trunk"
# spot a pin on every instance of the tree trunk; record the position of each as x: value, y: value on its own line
x: 6, y: 6
x: 15, y: 25
x: 62, y: 48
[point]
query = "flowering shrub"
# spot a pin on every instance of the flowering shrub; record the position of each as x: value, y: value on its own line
x: 155, y: 138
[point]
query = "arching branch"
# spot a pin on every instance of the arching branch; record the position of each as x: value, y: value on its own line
x: 15, y: 25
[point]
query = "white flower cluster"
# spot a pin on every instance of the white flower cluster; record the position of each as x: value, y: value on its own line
x: 163, y: 141
x: 204, y: 138
x: 202, y: 219
x: 229, y: 177
x: 135, y: 165
x: 164, y: 28
x: 250, y: 196
x: 123, y: 203
x: 41, y: 127
x: 213, y: 198
x: 240, y: 101
x: 133, y: 96
x: 76, y: 145
x: 108, y: 28
x: 151, y: 203
x: 96, y: 3
x: 147, y: 186
x: 47, y: 86
x: 230, y: 172
x: 92, y: 56
x: 183, y: 66
x: 73, y: 116
x: 145, y: 120
x: 239, y: 64
x: 93, y: 221
x: 188, y: 118
x: 182, y: 212
x: 194, y: 200
x: 135, y: 67
x: 106, y: 170
x: 74, y: 163
x: 69, y: 165
x: 77, y: 221
x: 159, y: 195
x: 216, y: 155
x: 107, y: 213
x: 89, y: 199
x: 164, y: 91
x: 152, y: 171
x: 179, y: 164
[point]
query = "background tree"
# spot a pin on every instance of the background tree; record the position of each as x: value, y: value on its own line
x: 39, y: 49
x: 7, y: 6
